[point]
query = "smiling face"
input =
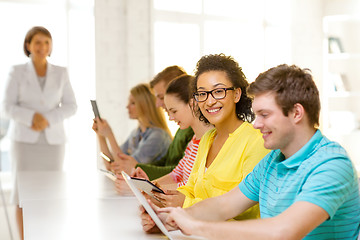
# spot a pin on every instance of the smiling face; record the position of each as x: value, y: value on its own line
x: 277, y: 129
x: 131, y: 106
x: 220, y: 111
x: 179, y: 111
x: 40, y: 46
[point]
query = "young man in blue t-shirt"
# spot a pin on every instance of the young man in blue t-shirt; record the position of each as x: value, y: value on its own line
x: 307, y: 186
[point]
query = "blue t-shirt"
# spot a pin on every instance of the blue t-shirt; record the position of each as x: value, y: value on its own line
x: 320, y: 173
x: 148, y: 146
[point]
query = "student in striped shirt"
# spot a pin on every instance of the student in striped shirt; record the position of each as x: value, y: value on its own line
x: 179, y: 104
x: 307, y: 187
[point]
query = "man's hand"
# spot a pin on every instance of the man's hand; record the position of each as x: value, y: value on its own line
x: 147, y: 223
x: 178, y: 218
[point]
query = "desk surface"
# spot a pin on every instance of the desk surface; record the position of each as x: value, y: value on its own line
x: 59, y: 205
x: 44, y: 185
x: 82, y: 219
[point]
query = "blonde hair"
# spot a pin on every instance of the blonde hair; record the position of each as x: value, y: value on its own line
x: 145, y: 103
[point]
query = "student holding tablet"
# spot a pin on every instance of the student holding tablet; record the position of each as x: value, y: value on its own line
x: 148, y: 142
x: 307, y: 186
x: 180, y: 104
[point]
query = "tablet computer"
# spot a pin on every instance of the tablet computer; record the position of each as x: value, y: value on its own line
x: 109, y: 174
x: 95, y: 108
x: 145, y: 204
x: 146, y: 186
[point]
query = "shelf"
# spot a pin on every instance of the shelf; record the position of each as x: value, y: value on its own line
x: 343, y: 94
x: 341, y: 111
x: 337, y: 133
x: 341, y: 18
x: 343, y: 56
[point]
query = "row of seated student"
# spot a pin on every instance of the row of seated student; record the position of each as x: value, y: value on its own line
x: 233, y: 167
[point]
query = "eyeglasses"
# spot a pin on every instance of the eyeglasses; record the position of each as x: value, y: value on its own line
x: 217, y: 93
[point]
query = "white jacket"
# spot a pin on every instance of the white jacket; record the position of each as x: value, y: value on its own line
x: 24, y: 96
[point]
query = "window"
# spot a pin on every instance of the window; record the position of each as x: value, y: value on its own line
x: 256, y: 33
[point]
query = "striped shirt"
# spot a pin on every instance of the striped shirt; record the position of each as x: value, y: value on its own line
x: 181, y: 173
x: 320, y: 173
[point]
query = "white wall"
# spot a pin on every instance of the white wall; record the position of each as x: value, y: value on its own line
x: 122, y: 46
x: 124, y: 51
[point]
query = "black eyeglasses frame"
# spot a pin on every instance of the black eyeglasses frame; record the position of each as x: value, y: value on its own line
x: 195, y: 95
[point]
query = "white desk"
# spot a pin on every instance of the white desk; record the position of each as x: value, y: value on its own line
x: 62, y: 185
x: 82, y: 219
x: 61, y: 206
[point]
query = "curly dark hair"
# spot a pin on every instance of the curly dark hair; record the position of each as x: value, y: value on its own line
x: 227, y: 64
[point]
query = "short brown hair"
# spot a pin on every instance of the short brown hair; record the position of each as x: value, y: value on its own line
x: 291, y: 85
x: 167, y: 75
x: 31, y: 33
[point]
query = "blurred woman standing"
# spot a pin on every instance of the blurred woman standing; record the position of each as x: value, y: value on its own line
x: 38, y: 98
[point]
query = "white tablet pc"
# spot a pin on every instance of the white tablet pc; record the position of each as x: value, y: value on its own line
x: 146, y: 205
x: 109, y: 174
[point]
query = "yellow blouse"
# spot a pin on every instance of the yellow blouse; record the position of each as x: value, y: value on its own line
x: 243, y: 149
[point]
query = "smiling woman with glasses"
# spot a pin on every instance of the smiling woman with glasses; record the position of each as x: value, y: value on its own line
x: 230, y: 151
